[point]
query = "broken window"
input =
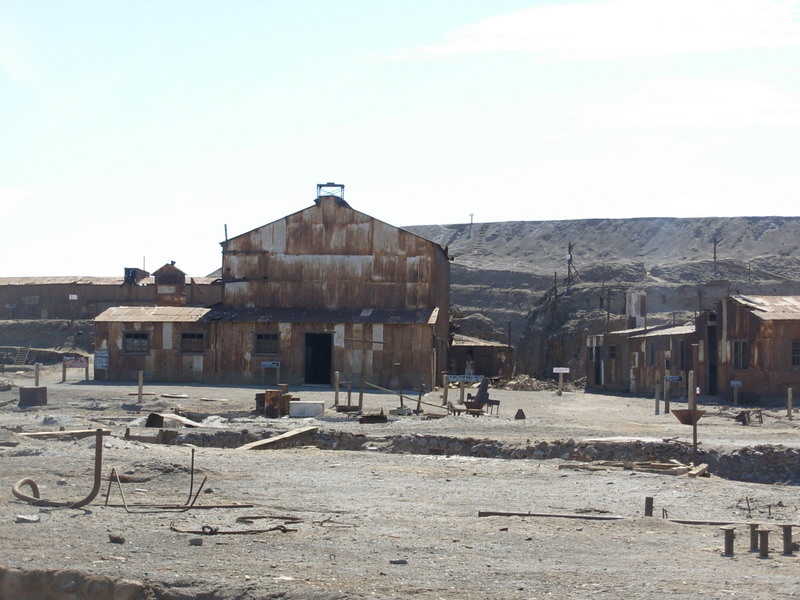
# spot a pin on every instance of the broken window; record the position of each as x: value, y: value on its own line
x: 136, y: 342
x: 612, y: 352
x: 741, y: 354
x: 267, y: 343
x: 795, y: 355
x: 193, y: 342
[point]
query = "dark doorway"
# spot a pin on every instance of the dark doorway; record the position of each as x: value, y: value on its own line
x: 318, y: 352
x: 598, y: 366
x: 711, y: 336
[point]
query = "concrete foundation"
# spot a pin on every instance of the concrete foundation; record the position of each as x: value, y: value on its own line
x: 306, y: 408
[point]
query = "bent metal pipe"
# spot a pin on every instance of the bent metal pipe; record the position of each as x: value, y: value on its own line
x: 37, y: 501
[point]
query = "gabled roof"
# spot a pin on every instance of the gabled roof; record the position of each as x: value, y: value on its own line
x: 771, y: 308
x: 687, y: 329
x: 339, y: 202
x: 465, y: 340
x: 151, y: 314
x: 320, y: 315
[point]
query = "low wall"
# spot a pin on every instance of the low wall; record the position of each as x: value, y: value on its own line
x: 759, y: 464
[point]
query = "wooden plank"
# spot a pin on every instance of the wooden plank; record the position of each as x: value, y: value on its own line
x: 698, y: 470
x: 278, y: 438
x: 75, y: 433
x: 170, y: 417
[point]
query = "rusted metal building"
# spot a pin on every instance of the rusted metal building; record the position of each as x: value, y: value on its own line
x: 633, y: 360
x: 751, y: 342
x: 86, y: 297
x: 481, y: 357
x: 322, y: 290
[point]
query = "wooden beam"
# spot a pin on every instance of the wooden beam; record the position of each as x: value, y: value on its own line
x: 75, y: 433
x: 259, y: 444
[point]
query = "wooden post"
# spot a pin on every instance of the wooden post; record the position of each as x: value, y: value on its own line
x: 141, y: 384
x: 666, y: 395
x: 36, y: 374
x: 753, y: 536
x: 729, y: 535
x: 788, y: 547
x: 445, y: 387
x: 461, y: 388
x: 692, y: 392
x: 86, y: 370
x: 560, y: 384
x: 648, y: 506
x: 789, y: 403
x: 763, y: 542
x: 658, y: 392
x: 736, y: 395
x: 336, y: 388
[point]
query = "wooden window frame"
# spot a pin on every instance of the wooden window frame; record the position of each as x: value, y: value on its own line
x: 193, y: 342
x: 266, y: 343
x: 136, y: 342
x: 740, y: 355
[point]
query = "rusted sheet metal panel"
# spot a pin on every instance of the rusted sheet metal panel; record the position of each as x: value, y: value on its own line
x: 32, y: 299
x: 334, y: 257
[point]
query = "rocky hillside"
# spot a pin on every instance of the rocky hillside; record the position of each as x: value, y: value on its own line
x: 510, y: 276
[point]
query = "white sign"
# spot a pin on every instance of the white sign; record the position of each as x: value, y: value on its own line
x: 736, y: 383
x: 560, y: 369
x: 270, y: 364
x: 101, y: 359
x: 465, y: 378
x: 73, y: 296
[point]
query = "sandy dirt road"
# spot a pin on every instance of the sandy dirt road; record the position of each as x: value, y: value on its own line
x: 374, y: 525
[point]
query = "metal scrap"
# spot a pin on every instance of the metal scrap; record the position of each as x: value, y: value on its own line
x: 34, y: 498
x: 208, y: 530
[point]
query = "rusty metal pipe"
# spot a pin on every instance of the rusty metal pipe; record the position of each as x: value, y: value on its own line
x: 763, y: 542
x: 788, y: 547
x: 37, y: 501
x: 729, y: 536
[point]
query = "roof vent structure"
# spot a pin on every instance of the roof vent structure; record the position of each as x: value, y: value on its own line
x: 330, y: 189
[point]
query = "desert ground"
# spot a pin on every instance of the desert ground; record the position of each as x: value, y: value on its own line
x: 323, y: 521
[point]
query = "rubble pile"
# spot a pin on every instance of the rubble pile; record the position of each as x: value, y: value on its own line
x: 527, y: 383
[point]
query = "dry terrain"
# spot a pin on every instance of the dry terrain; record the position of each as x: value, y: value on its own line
x: 306, y: 521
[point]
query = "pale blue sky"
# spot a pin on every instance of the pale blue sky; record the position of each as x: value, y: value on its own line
x: 133, y: 132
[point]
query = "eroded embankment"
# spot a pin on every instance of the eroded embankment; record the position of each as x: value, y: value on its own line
x: 759, y: 464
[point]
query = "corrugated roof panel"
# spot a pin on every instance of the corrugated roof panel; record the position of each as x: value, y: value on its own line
x: 771, y: 308
x: 145, y: 314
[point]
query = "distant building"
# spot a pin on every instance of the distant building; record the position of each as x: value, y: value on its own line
x: 749, y: 342
x: 325, y: 289
x: 86, y: 297
x: 752, y: 342
x: 487, y: 358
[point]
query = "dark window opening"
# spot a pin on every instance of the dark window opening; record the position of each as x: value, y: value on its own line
x: 267, y: 343
x: 612, y: 352
x: 193, y: 342
x: 136, y: 342
x: 796, y: 355
x: 741, y: 355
